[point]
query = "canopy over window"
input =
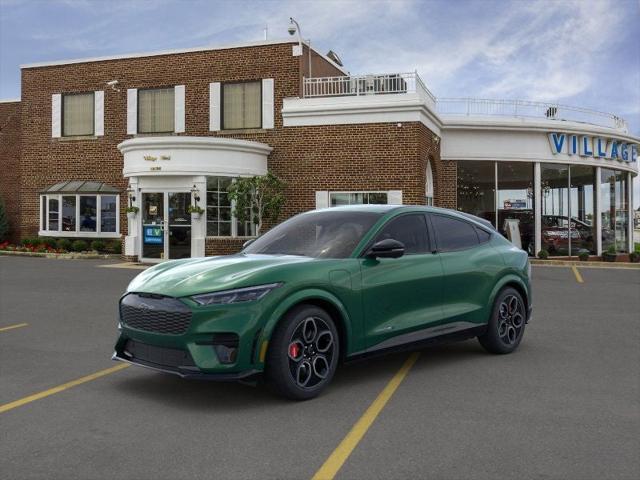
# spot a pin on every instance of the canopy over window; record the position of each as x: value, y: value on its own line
x: 81, y: 186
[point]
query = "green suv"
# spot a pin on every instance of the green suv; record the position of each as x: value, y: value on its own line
x: 328, y: 286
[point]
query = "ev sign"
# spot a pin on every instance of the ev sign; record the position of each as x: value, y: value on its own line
x: 597, y: 147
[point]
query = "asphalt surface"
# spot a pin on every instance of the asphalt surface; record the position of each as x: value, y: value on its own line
x: 565, y: 405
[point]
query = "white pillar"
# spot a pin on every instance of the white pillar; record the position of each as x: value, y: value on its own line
x: 630, y: 211
x: 537, y: 207
x: 132, y: 245
x: 199, y: 226
x: 598, y: 212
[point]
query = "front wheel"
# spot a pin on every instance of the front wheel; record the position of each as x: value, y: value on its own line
x: 506, y: 325
x: 303, y: 354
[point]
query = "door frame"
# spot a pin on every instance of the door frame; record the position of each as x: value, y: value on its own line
x: 165, y: 223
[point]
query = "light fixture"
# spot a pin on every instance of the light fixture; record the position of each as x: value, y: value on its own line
x: 132, y: 198
x: 195, y: 193
x: 294, y: 27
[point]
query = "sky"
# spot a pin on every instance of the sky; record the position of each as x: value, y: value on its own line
x: 579, y: 52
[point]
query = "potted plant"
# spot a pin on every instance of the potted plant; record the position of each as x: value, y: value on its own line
x: 195, y: 211
x: 610, y: 255
x: 131, y: 212
x: 635, y: 255
x: 543, y: 254
x: 583, y: 256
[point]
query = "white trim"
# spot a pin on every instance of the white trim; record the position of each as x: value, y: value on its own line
x: 214, y: 107
x: 171, y: 52
x: 598, y: 211
x: 82, y: 234
x: 10, y: 100
x: 537, y: 207
x: 268, y: 106
x: 77, y: 233
x: 179, y: 100
x: 394, y: 197
x: 132, y: 111
x: 56, y: 115
x: 630, y: 212
x: 98, y: 113
x: 322, y: 199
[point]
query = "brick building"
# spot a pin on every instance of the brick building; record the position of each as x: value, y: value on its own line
x: 160, y: 131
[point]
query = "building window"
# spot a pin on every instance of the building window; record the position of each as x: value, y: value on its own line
x: 78, y: 114
x: 337, y: 199
x: 69, y: 215
x: 156, y: 110
x: 614, y: 209
x: 477, y: 189
x: 221, y: 222
x: 241, y: 105
x: 516, y: 201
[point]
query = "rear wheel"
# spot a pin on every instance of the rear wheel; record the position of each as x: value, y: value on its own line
x: 303, y: 354
x: 506, y: 325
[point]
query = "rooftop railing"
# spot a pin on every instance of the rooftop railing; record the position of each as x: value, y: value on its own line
x: 400, y: 83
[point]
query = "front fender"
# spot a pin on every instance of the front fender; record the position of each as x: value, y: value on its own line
x: 297, y: 298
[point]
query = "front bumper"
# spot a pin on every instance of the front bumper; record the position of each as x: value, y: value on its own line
x: 153, y: 359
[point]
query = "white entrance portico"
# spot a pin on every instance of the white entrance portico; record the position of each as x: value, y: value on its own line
x: 167, y: 174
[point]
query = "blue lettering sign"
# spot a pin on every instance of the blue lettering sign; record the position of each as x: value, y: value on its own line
x: 614, y: 150
x: 634, y: 153
x: 152, y: 235
x: 601, y: 147
x: 557, y: 142
x: 573, y: 148
x: 624, y: 153
x: 586, y: 147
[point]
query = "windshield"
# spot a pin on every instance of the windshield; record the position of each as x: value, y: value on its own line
x: 323, y: 234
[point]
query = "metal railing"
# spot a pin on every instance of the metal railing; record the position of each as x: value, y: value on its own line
x: 357, y: 85
x: 528, y: 109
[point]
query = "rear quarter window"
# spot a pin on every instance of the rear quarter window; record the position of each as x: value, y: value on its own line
x: 454, y: 234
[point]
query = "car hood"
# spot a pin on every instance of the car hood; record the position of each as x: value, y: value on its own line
x: 180, y: 278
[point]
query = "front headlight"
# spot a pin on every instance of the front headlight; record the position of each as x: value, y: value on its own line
x: 239, y: 295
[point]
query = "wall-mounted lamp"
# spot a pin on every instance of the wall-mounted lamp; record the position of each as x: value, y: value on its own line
x: 195, y: 193
x: 132, y: 197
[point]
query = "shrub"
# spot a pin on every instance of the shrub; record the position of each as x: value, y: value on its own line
x: 634, y: 257
x: 79, y: 246
x: 47, y: 242
x: 583, y: 256
x: 28, y: 241
x: 543, y: 254
x: 115, y: 247
x: 611, y: 249
x: 97, y: 245
x: 64, y: 244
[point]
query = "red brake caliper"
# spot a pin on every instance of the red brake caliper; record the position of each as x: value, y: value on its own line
x: 294, y: 350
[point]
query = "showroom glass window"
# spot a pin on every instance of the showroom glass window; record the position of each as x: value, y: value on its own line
x: 337, y: 199
x: 79, y: 215
x: 78, y: 114
x: 555, y: 208
x: 516, y: 202
x: 614, y: 209
x: 221, y: 221
x: 156, y: 110
x: 581, y: 205
x: 477, y: 188
x: 241, y: 105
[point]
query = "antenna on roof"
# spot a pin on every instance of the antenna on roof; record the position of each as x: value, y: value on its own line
x: 333, y: 56
x: 266, y: 32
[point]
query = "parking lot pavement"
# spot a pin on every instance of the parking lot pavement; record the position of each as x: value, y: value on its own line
x: 565, y: 405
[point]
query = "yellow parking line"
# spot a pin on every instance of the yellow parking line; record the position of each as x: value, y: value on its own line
x: 37, y: 396
x: 11, y: 327
x: 132, y: 265
x: 335, y: 461
x: 577, y: 274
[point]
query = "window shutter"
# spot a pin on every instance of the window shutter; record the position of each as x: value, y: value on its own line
x: 98, y: 111
x: 179, y: 112
x: 267, y: 103
x: 214, y: 106
x: 56, y: 115
x: 132, y: 111
x: 394, y: 197
x: 322, y: 199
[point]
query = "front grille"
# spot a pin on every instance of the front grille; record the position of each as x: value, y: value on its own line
x: 155, y: 313
x: 166, y: 357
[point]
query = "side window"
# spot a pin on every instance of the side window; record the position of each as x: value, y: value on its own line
x: 483, y: 235
x: 453, y: 234
x: 410, y: 229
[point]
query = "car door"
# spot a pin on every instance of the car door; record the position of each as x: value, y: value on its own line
x: 401, y: 295
x: 470, y: 265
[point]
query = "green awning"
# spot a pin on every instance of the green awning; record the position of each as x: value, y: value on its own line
x: 81, y: 186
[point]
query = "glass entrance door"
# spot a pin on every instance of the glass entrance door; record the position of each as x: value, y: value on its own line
x: 179, y: 225
x: 166, y: 226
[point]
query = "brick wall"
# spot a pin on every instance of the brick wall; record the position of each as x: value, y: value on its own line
x: 10, y: 164
x: 340, y: 157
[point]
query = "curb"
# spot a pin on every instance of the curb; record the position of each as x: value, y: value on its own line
x: 571, y: 263
x: 64, y: 256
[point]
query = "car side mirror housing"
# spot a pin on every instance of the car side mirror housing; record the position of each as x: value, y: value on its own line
x: 388, y: 248
x: 247, y: 243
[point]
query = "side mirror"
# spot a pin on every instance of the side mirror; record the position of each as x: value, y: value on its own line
x: 247, y: 243
x: 388, y: 248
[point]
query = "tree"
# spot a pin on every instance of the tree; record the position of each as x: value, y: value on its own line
x: 257, y: 199
x: 4, y: 222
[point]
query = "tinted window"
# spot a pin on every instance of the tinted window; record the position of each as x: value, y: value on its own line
x: 453, y: 234
x: 483, y: 235
x: 327, y: 234
x: 411, y: 230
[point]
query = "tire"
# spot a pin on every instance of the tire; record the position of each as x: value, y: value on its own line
x: 303, y: 353
x: 506, y: 325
